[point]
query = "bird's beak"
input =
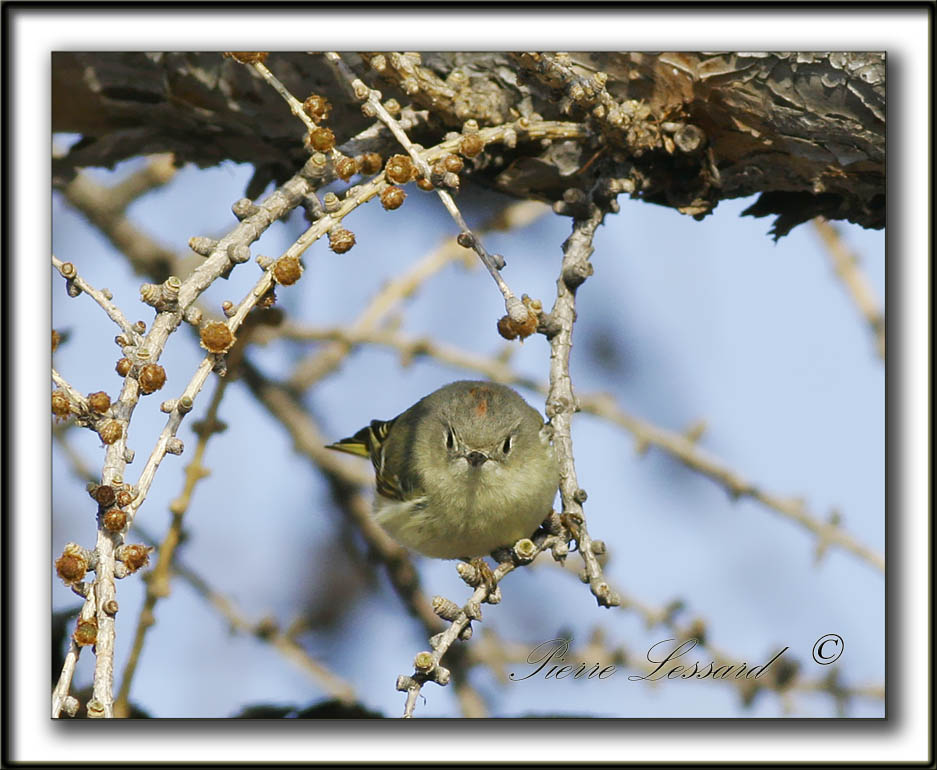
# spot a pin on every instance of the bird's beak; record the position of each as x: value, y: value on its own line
x: 476, y: 459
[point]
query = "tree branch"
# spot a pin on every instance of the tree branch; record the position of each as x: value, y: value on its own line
x: 561, y: 401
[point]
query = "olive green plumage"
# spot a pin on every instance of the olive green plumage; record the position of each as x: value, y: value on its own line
x: 464, y: 470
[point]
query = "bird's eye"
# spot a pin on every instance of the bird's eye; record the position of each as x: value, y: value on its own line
x: 450, y: 439
x: 506, y: 446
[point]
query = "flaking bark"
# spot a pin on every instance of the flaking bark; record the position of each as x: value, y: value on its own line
x: 804, y: 131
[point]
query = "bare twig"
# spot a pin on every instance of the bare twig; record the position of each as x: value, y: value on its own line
x: 157, y: 582
x: 282, y: 641
x: 317, y: 366
x: 362, y: 193
x: 309, y: 441
x: 220, y: 259
x: 514, y: 307
x: 267, y: 632
x: 60, y: 694
x: 78, y: 402
x: 296, y: 106
x: 561, y: 402
x: 105, y: 208
x: 427, y: 664
x: 846, y: 265
x: 62, y: 687
x: 684, y: 448
x: 68, y: 271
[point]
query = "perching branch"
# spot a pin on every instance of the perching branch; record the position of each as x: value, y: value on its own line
x: 428, y: 664
x: 561, y: 401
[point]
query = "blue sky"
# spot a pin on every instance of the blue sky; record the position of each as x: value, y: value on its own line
x: 682, y: 320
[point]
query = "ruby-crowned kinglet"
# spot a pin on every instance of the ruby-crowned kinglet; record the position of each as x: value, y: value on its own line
x: 465, y: 470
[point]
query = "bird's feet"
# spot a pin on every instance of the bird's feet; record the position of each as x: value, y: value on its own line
x: 572, y: 522
x: 484, y: 574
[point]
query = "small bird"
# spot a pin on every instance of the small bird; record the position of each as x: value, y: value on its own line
x: 465, y: 470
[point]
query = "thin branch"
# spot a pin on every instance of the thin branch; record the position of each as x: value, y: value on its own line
x: 315, y: 367
x: 362, y: 193
x: 157, y: 582
x: 78, y: 402
x: 218, y: 262
x: 62, y: 687
x: 281, y: 641
x: 105, y: 208
x: 308, y: 440
x: 684, y: 448
x: 493, y: 263
x: 561, y: 401
x: 846, y: 266
x: 296, y: 106
x: 60, y: 693
x: 70, y: 273
x: 221, y: 257
x: 428, y: 664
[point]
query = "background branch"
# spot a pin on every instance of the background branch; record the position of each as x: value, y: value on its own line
x: 846, y: 266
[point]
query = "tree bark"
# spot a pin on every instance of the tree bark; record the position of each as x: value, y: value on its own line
x: 804, y: 131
